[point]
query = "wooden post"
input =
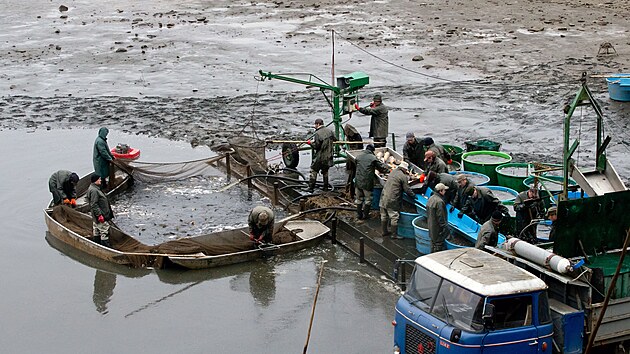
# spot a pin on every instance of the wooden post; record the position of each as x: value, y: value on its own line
x: 249, y: 174
x: 333, y: 230
x: 361, y: 250
x: 276, y: 185
x: 228, y: 167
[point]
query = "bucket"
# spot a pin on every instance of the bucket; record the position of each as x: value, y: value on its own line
x: 454, y: 166
x: 512, y: 175
x: 405, y: 224
x: 503, y: 193
x: 421, y: 232
x: 454, y: 151
x: 376, y: 197
x: 482, y: 144
x: 457, y: 241
x: 485, y: 162
x: 420, y: 210
x: 479, y: 179
x: 548, y: 186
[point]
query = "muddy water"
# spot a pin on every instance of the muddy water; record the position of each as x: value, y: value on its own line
x: 56, y: 301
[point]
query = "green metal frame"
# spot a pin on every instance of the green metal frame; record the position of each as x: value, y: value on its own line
x: 356, y: 81
x: 584, y: 97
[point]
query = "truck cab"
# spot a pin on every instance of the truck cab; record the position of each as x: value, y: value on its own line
x: 469, y: 301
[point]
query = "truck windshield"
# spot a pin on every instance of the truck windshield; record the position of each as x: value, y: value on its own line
x: 422, y: 288
x: 458, y: 307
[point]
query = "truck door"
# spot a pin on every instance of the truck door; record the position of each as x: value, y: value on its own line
x: 513, y: 329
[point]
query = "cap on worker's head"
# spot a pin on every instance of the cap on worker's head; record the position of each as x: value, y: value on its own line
x: 440, y: 187
x: 428, y: 140
x: 428, y: 154
x: 263, y: 218
x: 497, y: 216
x: 404, y: 165
x: 319, y: 121
x: 377, y: 97
x: 94, y: 177
x: 552, y: 211
x: 461, y: 177
x: 410, y: 135
x: 470, y: 191
x: 370, y: 147
x: 74, y: 178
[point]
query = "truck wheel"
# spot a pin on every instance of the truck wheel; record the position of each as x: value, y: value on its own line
x: 290, y: 155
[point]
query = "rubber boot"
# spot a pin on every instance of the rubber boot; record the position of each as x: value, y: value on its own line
x: 105, y: 242
x: 326, y: 185
x: 360, y: 212
x: 366, y: 211
x: 395, y: 231
x: 96, y: 239
x: 384, y: 228
x: 311, y: 186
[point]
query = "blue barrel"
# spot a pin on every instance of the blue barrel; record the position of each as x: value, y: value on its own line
x: 420, y: 210
x: 477, y: 178
x: 504, y: 194
x: 452, y: 245
x: 405, y: 224
x: 421, y: 231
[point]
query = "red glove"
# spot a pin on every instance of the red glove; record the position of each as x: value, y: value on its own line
x: 450, y: 162
x: 356, y: 106
x: 372, y: 105
x: 309, y: 141
x: 73, y: 202
x: 251, y: 236
x: 422, y: 178
x: 66, y: 201
x: 101, y: 219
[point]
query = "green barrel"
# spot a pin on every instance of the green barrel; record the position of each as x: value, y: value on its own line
x: 551, y: 184
x: 512, y: 175
x: 485, y: 162
x: 454, y: 151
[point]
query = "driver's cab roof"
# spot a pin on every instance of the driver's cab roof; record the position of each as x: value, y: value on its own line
x: 481, y: 272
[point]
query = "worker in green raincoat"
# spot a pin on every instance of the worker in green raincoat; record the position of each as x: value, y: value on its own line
x: 391, y: 199
x: 322, y: 145
x: 379, y: 124
x: 102, y: 156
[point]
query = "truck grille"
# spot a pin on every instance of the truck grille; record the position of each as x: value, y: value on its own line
x: 417, y: 342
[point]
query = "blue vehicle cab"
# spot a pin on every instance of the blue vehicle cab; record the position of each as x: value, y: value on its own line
x: 468, y: 301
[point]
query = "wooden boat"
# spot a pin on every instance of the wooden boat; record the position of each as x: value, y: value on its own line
x: 75, y: 228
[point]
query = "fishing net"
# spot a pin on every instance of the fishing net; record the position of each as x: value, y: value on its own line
x: 142, y: 255
x: 155, y: 172
x: 249, y: 151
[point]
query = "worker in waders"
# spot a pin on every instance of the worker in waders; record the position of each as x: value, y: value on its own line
x: 352, y: 134
x: 366, y: 163
x: 102, y: 156
x: 62, y: 184
x: 101, y: 211
x: 260, y: 221
x: 379, y: 123
x: 437, y: 218
x: 391, y: 199
x: 322, y: 145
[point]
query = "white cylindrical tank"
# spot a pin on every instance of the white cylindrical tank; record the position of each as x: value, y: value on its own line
x: 538, y: 255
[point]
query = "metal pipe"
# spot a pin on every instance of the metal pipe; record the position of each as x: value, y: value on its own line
x: 538, y: 255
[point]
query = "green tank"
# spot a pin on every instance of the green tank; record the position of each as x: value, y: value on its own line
x: 485, y: 162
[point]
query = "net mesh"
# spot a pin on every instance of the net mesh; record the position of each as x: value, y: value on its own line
x: 160, y: 172
x: 249, y: 151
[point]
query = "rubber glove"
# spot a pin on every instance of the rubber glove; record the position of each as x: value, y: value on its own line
x: 422, y: 178
x: 452, y: 209
x: 73, y: 202
x: 101, y: 219
x: 460, y: 215
x: 309, y: 142
x: 251, y: 236
x: 356, y: 106
x: 450, y: 162
x: 66, y: 201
